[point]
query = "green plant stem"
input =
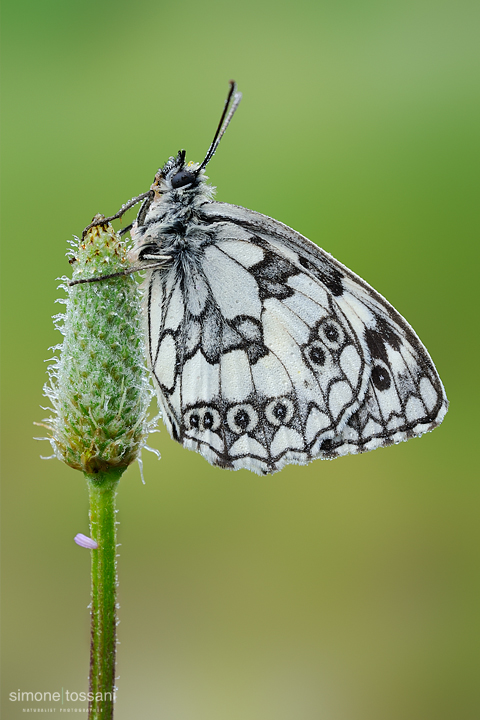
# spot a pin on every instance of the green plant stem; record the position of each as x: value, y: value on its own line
x: 102, y: 489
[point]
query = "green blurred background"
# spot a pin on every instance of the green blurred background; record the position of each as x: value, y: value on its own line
x: 339, y: 591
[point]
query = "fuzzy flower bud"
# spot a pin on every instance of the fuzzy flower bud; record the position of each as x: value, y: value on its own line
x: 98, y: 385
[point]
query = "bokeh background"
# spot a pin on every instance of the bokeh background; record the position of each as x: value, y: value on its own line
x: 345, y: 590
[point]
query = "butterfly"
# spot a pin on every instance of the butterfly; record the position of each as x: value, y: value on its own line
x: 264, y: 349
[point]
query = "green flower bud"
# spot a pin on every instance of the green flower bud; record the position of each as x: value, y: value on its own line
x: 98, y: 385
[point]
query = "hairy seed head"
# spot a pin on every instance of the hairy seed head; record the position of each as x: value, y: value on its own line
x: 98, y: 384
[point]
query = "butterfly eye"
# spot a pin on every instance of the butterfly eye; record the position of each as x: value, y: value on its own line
x: 182, y: 178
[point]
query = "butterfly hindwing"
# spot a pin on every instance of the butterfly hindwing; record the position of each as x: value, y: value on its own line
x: 266, y: 351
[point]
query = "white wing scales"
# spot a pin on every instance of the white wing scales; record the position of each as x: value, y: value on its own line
x: 267, y: 351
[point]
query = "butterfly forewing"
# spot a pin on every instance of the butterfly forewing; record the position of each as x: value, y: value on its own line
x: 267, y: 351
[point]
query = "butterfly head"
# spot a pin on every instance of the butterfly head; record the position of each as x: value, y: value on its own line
x: 176, y: 188
x: 177, y: 175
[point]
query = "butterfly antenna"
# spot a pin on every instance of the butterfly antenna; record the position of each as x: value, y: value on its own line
x: 224, y: 121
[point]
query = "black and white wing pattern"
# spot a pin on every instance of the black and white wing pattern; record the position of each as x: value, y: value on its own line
x: 266, y: 351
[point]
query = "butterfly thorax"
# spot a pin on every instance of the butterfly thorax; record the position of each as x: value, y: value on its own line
x: 169, y: 212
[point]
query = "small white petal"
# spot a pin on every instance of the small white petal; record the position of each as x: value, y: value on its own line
x: 85, y: 542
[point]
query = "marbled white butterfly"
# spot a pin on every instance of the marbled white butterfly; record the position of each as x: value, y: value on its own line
x: 264, y: 349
